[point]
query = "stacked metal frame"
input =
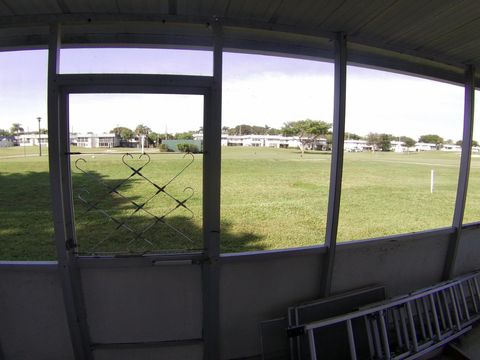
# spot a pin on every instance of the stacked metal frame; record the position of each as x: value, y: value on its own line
x: 406, y: 327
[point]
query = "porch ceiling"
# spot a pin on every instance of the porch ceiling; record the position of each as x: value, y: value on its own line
x: 443, y: 31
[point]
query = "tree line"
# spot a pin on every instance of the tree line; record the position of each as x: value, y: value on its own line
x: 307, y: 130
x: 151, y: 137
x: 310, y: 130
x: 383, y: 141
x: 17, y: 129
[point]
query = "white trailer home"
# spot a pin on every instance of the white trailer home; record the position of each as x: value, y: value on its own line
x: 91, y: 140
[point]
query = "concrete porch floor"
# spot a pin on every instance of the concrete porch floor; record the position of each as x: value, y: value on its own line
x: 468, y: 347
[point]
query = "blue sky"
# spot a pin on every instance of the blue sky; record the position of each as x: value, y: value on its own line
x: 258, y: 90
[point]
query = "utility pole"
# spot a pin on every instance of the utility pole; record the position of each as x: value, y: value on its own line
x: 39, y: 143
x: 23, y: 142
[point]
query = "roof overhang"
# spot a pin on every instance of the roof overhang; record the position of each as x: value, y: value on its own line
x: 435, y: 40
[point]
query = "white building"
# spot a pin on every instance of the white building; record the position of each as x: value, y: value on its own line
x: 452, y: 147
x: 32, y: 139
x: 420, y: 146
x: 398, y: 146
x: 272, y: 141
x: 356, y: 145
x: 90, y: 140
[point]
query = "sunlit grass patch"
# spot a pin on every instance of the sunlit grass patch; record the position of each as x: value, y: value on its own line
x: 270, y: 198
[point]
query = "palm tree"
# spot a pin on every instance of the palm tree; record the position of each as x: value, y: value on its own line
x: 16, y: 128
x: 142, y: 130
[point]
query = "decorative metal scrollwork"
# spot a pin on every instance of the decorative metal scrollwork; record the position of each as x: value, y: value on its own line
x: 95, y: 203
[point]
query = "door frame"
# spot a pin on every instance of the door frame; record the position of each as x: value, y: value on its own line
x: 60, y: 177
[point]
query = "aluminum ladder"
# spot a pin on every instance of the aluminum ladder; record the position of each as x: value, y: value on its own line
x: 406, y: 327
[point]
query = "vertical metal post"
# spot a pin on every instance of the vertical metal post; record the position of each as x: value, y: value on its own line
x: 420, y: 318
x: 336, y: 166
x: 476, y: 287
x: 311, y: 343
x: 39, y: 138
x: 427, y: 317
x: 404, y: 326
x: 432, y: 180
x: 435, y: 318
x: 383, y: 327
x: 212, y: 126
x: 456, y: 297
x: 351, y: 340
x: 412, y: 327
x: 298, y: 340
x: 469, y: 107
x: 376, y: 337
x: 464, y: 300
x: 62, y: 206
x: 447, y: 310
x: 396, y: 323
x: 369, y: 336
x: 472, y: 296
x: 291, y: 340
x: 455, y: 309
x: 440, y: 311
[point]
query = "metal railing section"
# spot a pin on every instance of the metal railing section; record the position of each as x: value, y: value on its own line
x: 137, y: 232
x: 406, y: 327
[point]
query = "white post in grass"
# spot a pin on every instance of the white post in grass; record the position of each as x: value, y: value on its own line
x: 143, y: 144
x: 432, y: 179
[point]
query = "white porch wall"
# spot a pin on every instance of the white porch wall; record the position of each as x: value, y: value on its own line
x: 158, y: 303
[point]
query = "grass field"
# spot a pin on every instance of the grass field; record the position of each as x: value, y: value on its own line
x: 271, y: 199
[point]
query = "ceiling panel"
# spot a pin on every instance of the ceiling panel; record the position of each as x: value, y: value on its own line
x: 466, y: 53
x: 235, y: 8
x: 446, y: 30
x: 437, y: 23
x: 354, y: 14
x: 33, y: 7
x: 462, y: 44
x: 270, y: 10
x: 397, y: 18
x: 311, y: 13
x: 5, y: 10
x: 462, y: 34
x: 190, y: 8
x: 257, y: 10
x: 316, y: 12
x: 78, y: 6
x: 143, y: 6
x: 205, y: 6
x: 427, y: 29
x: 93, y: 6
x: 213, y: 7
x: 290, y: 12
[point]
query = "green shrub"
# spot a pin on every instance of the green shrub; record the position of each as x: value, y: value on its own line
x: 163, y: 148
x: 188, y: 148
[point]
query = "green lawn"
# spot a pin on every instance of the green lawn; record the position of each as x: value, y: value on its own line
x: 271, y: 199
